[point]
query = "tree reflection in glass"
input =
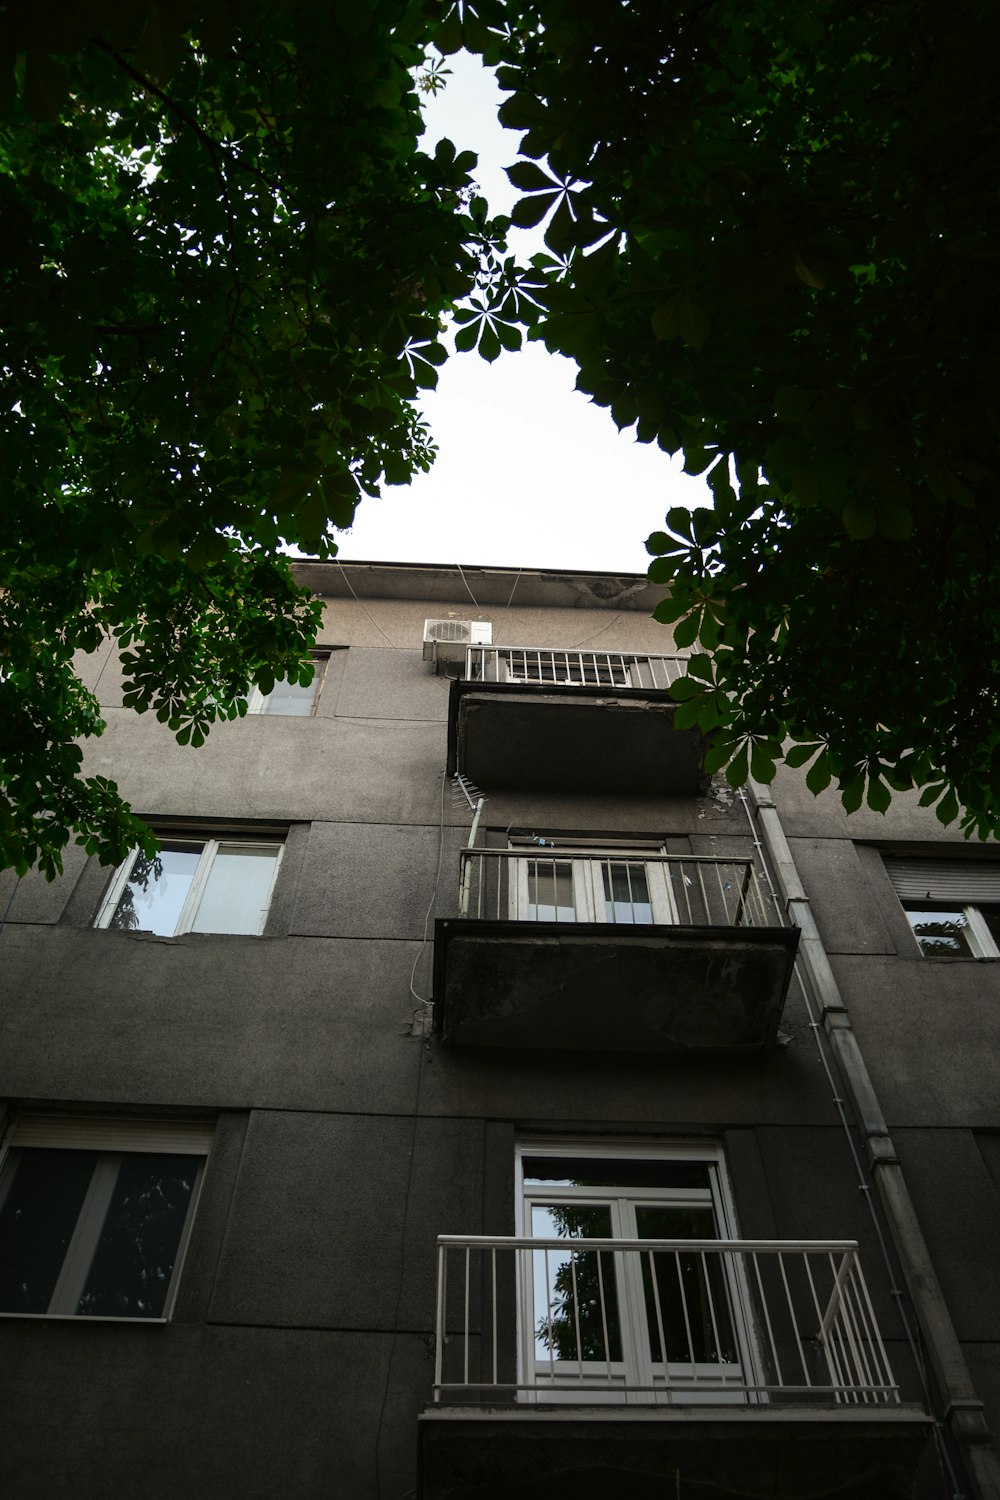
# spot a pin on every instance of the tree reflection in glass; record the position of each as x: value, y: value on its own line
x: 576, y: 1299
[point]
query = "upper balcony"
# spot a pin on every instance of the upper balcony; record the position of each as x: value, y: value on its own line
x: 532, y: 718
x: 575, y: 1366
x: 623, y: 949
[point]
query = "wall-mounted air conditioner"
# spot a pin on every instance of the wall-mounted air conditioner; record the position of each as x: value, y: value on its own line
x: 446, y: 640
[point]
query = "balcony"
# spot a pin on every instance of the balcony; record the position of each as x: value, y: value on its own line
x: 744, y: 1367
x: 619, y: 950
x: 536, y: 719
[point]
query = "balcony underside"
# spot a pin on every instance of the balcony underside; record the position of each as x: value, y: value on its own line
x: 744, y: 1453
x: 596, y: 986
x: 572, y: 739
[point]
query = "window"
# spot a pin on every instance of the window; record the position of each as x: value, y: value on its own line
x: 588, y: 882
x: 631, y: 1320
x: 194, y: 885
x: 953, y: 906
x: 95, y: 1215
x: 289, y: 699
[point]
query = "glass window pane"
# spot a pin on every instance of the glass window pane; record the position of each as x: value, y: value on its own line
x: 576, y: 1300
x: 236, y: 894
x: 290, y: 698
x: 550, y: 891
x: 39, y: 1215
x: 157, y: 889
x: 626, y: 893
x: 130, y: 1273
x: 606, y: 1171
x: 940, y: 932
x: 685, y: 1294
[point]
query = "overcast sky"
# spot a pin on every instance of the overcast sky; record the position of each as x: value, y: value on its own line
x: 529, y: 472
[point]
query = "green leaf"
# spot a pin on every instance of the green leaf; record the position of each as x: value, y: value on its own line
x: 947, y: 809
x: 738, y: 770
x: 701, y: 667
x: 819, y: 774
x: 797, y: 755
x: 527, y: 212
x: 852, y: 793
x: 717, y: 757
x: 761, y: 765
x: 879, y: 795
x: 528, y: 177
x: 686, y: 630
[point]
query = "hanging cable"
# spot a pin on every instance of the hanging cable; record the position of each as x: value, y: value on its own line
x: 467, y: 589
x: 506, y: 612
x: 367, y: 611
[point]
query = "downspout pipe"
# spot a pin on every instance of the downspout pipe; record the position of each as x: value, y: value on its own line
x: 963, y: 1415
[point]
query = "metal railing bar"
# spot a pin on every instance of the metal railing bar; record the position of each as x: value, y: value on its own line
x: 711, y: 1309
x: 884, y: 1367
x: 576, y: 1315
x: 468, y: 1261
x: 687, y: 1321
x: 790, y: 1304
x: 528, y: 1242
x: 440, y: 1322
x: 493, y: 1257
x: 604, y: 1316
x: 767, y: 1319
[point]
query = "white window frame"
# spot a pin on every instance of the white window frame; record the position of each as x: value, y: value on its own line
x: 637, y: 1366
x: 981, y: 940
x: 257, y: 701
x: 589, y: 899
x: 210, y: 846
x: 113, y: 1140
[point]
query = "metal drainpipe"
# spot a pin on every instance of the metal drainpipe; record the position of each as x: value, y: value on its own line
x: 963, y: 1415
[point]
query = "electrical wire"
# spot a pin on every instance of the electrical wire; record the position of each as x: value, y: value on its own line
x: 471, y: 595
x: 587, y: 638
x: 367, y: 611
x: 506, y: 612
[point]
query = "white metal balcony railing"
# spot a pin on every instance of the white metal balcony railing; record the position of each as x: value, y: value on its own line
x: 686, y: 1322
x: 558, y: 668
x: 623, y: 886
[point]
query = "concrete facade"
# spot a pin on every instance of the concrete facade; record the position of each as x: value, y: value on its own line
x: 298, y: 1355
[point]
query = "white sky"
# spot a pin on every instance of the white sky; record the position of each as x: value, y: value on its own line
x: 529, y: 472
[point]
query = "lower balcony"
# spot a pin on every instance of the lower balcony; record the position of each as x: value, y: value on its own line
x: 651, y: 1367
x: 617, y: 950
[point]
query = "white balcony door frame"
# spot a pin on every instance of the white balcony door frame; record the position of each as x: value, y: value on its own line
x: 587, y: 872
x: 611, y: 1383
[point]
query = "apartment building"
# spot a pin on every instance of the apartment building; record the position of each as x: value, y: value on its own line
x: 474, y: 1100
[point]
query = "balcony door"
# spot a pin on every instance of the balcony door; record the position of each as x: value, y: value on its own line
x: 632, y: 1326
x: 588, y: 882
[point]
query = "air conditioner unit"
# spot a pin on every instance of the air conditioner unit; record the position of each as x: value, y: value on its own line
x: 446, y: 640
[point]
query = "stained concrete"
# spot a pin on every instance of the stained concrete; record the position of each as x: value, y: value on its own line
x: 300, y: 1352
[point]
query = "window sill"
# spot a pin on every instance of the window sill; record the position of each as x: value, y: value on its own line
x: 81, y: 1318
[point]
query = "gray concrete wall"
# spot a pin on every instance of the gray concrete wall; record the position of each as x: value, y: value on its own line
x: 299, y: 1353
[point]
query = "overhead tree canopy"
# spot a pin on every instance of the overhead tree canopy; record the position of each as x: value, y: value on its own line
x: 223, y: 271
x: 773, y: 241
x: 779, y: 235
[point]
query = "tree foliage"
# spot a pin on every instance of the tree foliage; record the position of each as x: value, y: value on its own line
x: 774, y: 231
x: 770, y: 236
x: 223, y: 271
